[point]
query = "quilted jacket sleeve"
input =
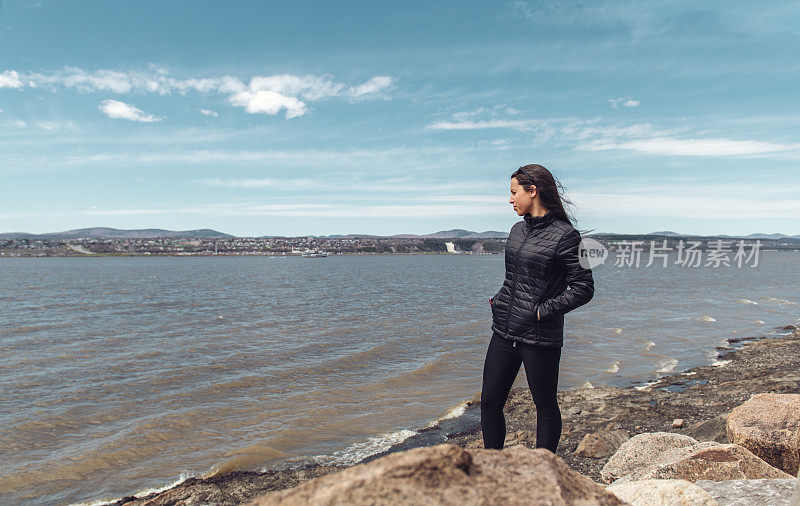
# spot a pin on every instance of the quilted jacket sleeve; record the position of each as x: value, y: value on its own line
x: 579, y: 279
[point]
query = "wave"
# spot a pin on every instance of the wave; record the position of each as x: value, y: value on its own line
x: 779, y: 301
x: 614, y: 368
x: 667, y: 365
x: 745, y: 301
x: 707, y: 319
x: 453, y: 413
x: 185, y: 475
x: 363, y: 449
x: 647, y: 384
x: 650, y: 344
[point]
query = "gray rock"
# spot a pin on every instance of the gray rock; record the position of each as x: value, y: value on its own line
x: 775, y: 492
x: 660, y: 492
x: 642, y: 450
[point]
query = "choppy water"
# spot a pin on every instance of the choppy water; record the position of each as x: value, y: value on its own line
x: 120, y: 374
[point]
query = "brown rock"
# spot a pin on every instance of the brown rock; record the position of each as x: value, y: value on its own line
x: 701, y: 461
x: 448, y: 474
x: 601, y: 444
x: 767, y: 424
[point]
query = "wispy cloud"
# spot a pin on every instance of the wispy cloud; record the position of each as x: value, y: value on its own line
x: 121, y: 110
x: 207, y: 112
x: 335, y: 186
x: 375, y: 85
x: 671, y: 146
x: 260, y: 95
x: 316, y: 210
x: 480, y: 125
x: 624, y: 102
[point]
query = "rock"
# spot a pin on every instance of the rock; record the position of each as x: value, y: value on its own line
x: 700, y: 461
x: 711, y: 430
x: 527, y: 437
x: 767, y: 424
x: 659, y: 492
x: 642, y: 450
x: 773, y: 492
x: 448, y: 474
x: 677, y: 423
x: 601, y: 444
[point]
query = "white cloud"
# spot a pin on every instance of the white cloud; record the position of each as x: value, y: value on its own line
x: 10, y: 79
x: 262, y: 94
x: 374, y: 85
x: 625, y: 102
x: 691, y: 147
x: 121, y: 110
x: 268, y: 102
x: 207, y: 112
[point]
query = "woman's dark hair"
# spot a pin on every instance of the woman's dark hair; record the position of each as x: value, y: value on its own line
x: 551, y: 192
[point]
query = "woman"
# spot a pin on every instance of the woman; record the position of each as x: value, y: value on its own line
x: 528, y: 311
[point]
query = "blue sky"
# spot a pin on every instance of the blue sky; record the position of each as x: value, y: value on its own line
x: 300, y: 118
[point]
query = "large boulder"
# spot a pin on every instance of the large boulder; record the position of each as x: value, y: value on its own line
x: 660, y: 492
x: 769, y: 425
x: 640, y: 451
x: 448, y: 474
x: 699, y: 461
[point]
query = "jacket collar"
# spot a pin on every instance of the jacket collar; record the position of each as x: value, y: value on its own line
x: 539, y: 221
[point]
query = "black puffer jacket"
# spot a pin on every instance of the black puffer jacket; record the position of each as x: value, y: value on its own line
x: 541, y: 261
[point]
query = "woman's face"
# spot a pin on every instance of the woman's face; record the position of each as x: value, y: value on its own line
x: 521, y: 199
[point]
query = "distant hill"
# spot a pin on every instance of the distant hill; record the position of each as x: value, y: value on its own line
x: 457, y: 233
x: 667, y: 233
x: 113, y: 233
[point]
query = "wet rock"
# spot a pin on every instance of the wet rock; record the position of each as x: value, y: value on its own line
x: 775, y: 492
x: 235, y: 487
x: 660, y: 492
x: 448, y: 474
x: 767, y: 424
x: 601, y: 444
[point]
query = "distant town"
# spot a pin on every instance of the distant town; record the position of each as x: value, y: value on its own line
x: 112, y: 242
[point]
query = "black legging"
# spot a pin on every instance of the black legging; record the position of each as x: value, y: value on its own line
x: 503, y: 359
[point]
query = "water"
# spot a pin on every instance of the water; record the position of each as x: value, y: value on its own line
x: 123, y: 374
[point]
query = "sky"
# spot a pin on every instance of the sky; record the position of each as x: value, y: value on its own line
x: 318, y: 118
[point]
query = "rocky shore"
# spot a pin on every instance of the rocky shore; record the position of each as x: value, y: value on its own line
x: 692, y: 405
